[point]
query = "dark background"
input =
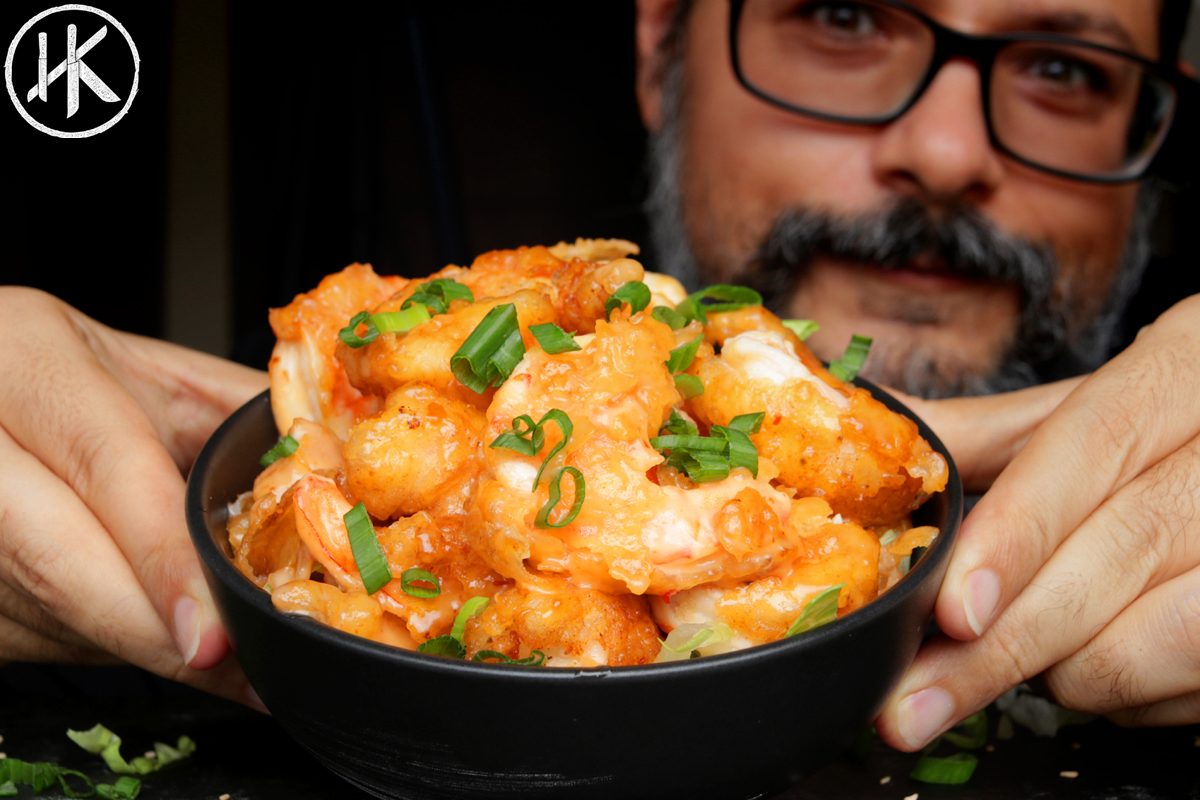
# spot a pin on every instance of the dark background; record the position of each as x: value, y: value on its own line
x: 269, y: 145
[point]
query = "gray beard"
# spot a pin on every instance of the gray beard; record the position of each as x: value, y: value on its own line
x: 1051, y: 342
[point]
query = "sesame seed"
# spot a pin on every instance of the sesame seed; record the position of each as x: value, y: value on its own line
x: 1197, y: 740
x: 1076, y: 746
x: 991, y: 748
x: 3, y: 755
x: 913, y: 796
x: 1068, y: 773
x: 150, y: 754
x: 224, y: 796
x: 885, y: 780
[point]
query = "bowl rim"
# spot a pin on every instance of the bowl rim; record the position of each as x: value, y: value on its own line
x: 223, y: 568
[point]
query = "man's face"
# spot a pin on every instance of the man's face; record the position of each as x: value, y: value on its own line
x: 744, y: 162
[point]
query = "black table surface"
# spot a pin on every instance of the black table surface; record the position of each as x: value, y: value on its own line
x: 247, y: 755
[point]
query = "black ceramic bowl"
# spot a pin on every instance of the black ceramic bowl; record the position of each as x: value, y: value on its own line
x: 406, y: 725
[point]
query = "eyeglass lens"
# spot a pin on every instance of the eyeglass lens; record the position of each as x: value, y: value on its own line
x: 1074, y: 109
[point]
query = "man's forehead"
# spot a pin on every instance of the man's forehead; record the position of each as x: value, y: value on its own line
x: 1126, y: 24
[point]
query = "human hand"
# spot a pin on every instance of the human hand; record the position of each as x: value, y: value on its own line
x: 96, y: 429
x: 1082, y: 562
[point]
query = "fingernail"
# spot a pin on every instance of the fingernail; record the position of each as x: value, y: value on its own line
x: 187, y: 628
x: 981, y: 593
x: 923, y: 714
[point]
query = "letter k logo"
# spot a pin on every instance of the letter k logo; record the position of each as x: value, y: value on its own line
x: 75, y: 70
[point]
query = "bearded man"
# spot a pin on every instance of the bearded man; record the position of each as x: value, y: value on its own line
x: 958, y: 179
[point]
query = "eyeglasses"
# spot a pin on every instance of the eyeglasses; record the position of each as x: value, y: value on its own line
x: 1065, y: 106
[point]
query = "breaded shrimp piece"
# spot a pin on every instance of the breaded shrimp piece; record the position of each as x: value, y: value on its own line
x: 318, y: 450
x: 572, y: 627
x: 723, y: 325
x: 870, y: 464
x: 411, y: 456
x: 423, y: 353
x: 352, y: 612
x: 829, y: 553
x: 307, y: 381
x: 595, y: 250
x: 415, y: 541
x: 631, y: 534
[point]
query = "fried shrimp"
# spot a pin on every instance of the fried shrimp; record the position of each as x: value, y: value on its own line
x: 842, y: 445
x: 307, y: 380
x: 525, y: 469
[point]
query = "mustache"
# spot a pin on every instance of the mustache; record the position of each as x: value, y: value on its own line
x: 960, y: 241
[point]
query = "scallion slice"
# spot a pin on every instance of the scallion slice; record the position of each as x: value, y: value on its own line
x: 445, y: 645
x: 368, y: 553
x: 282, y: 449
x: 563, y: 422
x: 729, y: 298
x: 847, y: 367
x: 950, y: 770
x: 693, y: 443
x: 125, y: 788
x: 701, y: 466
x: 748, y: 423
x: 681, y: 357
x: 400, y: 321
x: 543, y: 516
x: 536, y: 658
x: 820, y: 610
x: 803, y: 328
x: 491, y: 352
x: 472, y: 608
x: 715, y: 634
x: 103, y: 742
x: 409, y: 578
x: 669, y: 316
x: 742, y: 452
x: 436, y: 295
x: 636, y: 293
x: 349, y: 334
x: 553, y: 339
x: 971, y: 733
x: 525, y: 437
x: 689, y: 386
x: 677, y: 425
x: 40, y: 775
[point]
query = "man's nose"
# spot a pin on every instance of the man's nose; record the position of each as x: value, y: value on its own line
x: 940, y: 150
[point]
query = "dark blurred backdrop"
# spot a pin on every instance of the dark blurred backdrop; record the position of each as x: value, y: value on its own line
x: 269, y: 145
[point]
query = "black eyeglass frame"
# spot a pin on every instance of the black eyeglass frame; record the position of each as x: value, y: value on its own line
x: 982, y: 50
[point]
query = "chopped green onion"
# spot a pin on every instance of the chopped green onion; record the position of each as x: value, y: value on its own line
x: 8, y: 789
x: 553, y: 339
x: 669, y: 316
x: 950, y: 770
x: 535, y: 659
x: 973, y: 734
x: 491, y: 352
x: 444, y: 645
x: 437, y: 295
x: 349, y: 334
x: 677, y: 425
x: 543, y: 516
x: 847, y: 367
x: 731, y: 299
x: 693, y: 443
x: 681, y: 357
x: 282, y: 449
x: 472, y: 608
x: 714, y: 634
x: 563, y: 422
x: 748, y: 423
x: 700, y: 466
x: 889, y: 537
x: 40, y: 775
x: 527, y: 441
x: 636, y: 293
x: 372, y: 563
x: 401, y: 321
x: 408, y: 578
x: 803, y: 328
x: 689, y: 386
x: 905, y: 564
x: 126, y: 788
x: 820, y: 610
x: 742, y: 452
x: 107, y: 745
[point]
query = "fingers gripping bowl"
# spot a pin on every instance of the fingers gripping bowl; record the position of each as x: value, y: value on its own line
x: 403, y: 724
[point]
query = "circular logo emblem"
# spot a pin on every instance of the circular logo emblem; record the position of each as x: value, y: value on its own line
x: 72, y: 71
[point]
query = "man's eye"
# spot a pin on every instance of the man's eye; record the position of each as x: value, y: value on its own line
x: 1067, y: 74
x: 843, y: 19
